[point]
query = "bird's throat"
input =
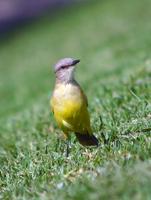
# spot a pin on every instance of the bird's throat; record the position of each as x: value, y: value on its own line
x: 65, y: 77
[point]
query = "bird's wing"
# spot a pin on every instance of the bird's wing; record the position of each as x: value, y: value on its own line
x: 85, y: 98
x: 83, y: 94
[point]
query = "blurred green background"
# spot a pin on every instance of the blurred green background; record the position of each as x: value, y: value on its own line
x: 112, y: 39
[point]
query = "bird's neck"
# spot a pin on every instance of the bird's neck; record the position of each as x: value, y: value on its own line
x: 65, y: 81
x: 65, y: 78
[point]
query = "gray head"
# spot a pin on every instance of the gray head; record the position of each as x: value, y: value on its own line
x: 64, y: 69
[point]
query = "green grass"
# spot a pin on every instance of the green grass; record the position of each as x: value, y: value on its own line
x: 112, y: 38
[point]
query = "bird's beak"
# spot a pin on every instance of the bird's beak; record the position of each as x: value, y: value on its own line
x: 75, y: 62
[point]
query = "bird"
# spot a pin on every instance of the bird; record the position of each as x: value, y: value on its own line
x: 69, y: 104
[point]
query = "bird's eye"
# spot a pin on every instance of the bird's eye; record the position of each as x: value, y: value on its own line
x: 63, y: 67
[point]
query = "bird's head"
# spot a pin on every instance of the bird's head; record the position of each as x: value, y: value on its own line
x: 64, y: 69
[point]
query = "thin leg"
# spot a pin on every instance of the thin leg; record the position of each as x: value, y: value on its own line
x: 68, y: 147
x: 57, y: 144
x: 67, y: 142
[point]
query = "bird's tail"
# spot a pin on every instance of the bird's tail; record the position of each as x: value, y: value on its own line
x: 87, y: 139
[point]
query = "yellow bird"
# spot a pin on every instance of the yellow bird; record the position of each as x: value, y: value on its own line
x: 69, y: 104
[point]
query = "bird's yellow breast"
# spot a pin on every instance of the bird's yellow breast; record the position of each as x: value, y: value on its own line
x: 69, y: 107
x: 67, y: 100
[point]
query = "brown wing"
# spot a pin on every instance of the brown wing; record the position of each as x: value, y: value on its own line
x: 85, y: 97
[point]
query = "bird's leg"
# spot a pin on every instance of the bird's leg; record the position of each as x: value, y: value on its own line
x: 67, y: 145
x: 68, y: 148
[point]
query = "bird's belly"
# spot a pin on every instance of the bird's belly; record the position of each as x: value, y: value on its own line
x: 68, y: 109
x: 68, y: 106
x: 67, y: 114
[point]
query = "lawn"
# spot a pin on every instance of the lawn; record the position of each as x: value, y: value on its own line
x: 113, y: 41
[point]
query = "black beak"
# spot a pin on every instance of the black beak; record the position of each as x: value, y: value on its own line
x: 75, y: 62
